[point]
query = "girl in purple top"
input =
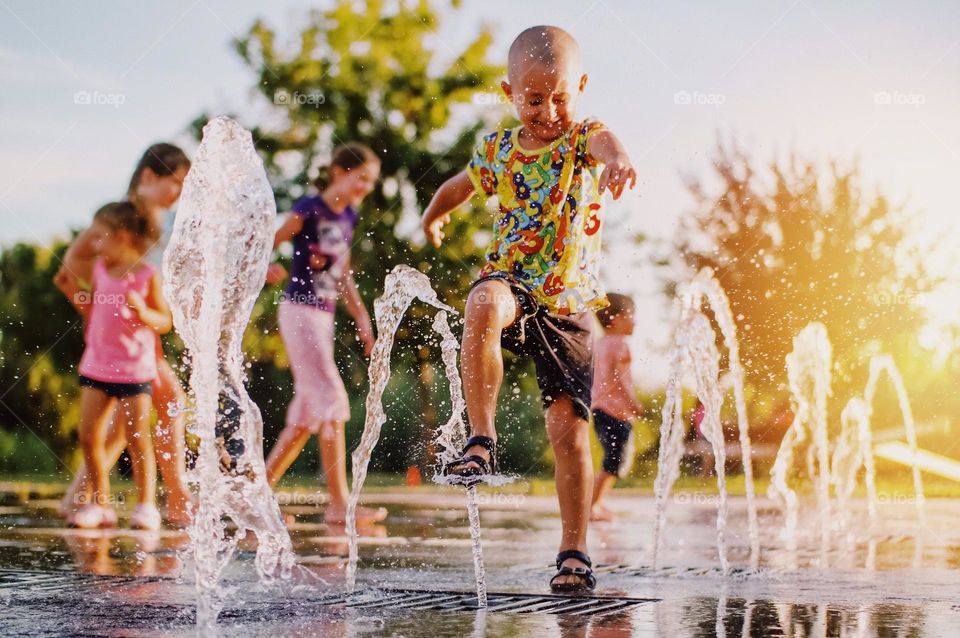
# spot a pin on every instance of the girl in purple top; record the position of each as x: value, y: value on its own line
x: 321, y: 228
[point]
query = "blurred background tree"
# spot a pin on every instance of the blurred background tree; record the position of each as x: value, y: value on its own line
x: 792, y: 244
x: 381, y: 74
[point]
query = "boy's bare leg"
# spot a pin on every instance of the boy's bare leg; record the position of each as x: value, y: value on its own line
x: 491, y: 308
x: 285, y: 451
x: 570, y: 439
x: 601, y: 488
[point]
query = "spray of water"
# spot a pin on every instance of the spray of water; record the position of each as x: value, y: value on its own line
x: 808, y: 373
x: 695, y: 351
x: 214, y: 268
x: 451, y: 437
x: 884, y: 364
x: 852, y: 450
x: 706, y: 287
x: 403, y: 285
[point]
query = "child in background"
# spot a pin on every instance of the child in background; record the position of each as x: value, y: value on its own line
x: 614, y: 404
x: 321, y: 229
x: 154, y: 188
x: 124, y: 311
x: 540, y: 283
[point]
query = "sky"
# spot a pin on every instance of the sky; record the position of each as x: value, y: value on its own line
x: 87, y: 86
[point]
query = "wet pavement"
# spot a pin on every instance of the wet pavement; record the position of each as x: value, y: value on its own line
x: 416, y: 574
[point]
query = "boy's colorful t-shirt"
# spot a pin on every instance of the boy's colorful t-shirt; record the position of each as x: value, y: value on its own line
x: 547, y: 235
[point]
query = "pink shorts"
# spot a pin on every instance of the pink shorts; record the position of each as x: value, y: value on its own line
x: 318, y: 391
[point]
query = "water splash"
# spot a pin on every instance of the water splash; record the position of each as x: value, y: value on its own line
x: 808, y: 373
x: 706, y: 287
x: 451, y: 437
x: 403, y: 284
x: 695, y: 351
x: 214, y: 268
x: 880, y: 364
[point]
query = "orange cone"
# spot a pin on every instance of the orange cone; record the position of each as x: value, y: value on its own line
x: 413, y: 476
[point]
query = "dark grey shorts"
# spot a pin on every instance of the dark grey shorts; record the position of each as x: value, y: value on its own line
x: 561, y: 347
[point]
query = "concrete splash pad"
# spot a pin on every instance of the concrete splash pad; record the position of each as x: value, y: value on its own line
x: 415, y: 575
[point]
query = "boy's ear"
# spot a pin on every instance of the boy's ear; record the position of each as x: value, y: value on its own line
x: 507, y: 89
x: 583, y: 81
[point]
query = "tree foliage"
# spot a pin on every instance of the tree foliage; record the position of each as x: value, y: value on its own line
x: 792, y: 244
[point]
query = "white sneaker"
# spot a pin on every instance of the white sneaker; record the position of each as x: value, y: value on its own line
x: 109, y: 517
x: 145, y: 516
x: 88, y: 517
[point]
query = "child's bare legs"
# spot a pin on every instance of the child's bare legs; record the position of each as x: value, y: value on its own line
x: 134, y: 412
x: 95, y: 408
x: 333, y: 456
x: 170, y: 441
x: 286, y: 450
x: 601, y: 488
x: 169, y: 446
x: 569, y: 437
x: 116, y: 441
x: 491, y: 308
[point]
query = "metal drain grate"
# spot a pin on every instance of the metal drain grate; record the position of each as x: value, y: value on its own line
x: 67, y: 590
x: 646, y: 571
x: 420, y: 600
x: 35, y: 580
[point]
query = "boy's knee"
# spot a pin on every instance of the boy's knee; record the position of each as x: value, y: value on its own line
x: 491, y: 302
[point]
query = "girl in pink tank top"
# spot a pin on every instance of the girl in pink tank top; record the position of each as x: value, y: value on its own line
x: 124, y: 312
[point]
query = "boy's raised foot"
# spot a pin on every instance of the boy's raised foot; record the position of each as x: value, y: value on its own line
x: 471, y: 469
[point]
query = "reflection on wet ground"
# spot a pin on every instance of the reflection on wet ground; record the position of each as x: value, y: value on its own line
x: 416, y: 575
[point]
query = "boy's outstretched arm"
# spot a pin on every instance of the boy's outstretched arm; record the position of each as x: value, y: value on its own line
x: 618, y: 170
x: 452, y: 194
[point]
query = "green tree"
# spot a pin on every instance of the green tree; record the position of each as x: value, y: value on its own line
x: 358, y: 72
x: 791, y: 245
x: 41, y: 340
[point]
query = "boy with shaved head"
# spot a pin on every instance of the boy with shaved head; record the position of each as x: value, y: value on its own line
x: 535, y: 294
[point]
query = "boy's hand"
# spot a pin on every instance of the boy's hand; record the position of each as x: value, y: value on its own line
x: 616, y: 174
x: 433, y: 229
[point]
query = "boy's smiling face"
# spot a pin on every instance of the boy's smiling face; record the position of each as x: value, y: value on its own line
x: 545, y: 97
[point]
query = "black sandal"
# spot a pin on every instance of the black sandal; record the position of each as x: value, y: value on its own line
x: 587, y: 581
x: 474, y: 475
